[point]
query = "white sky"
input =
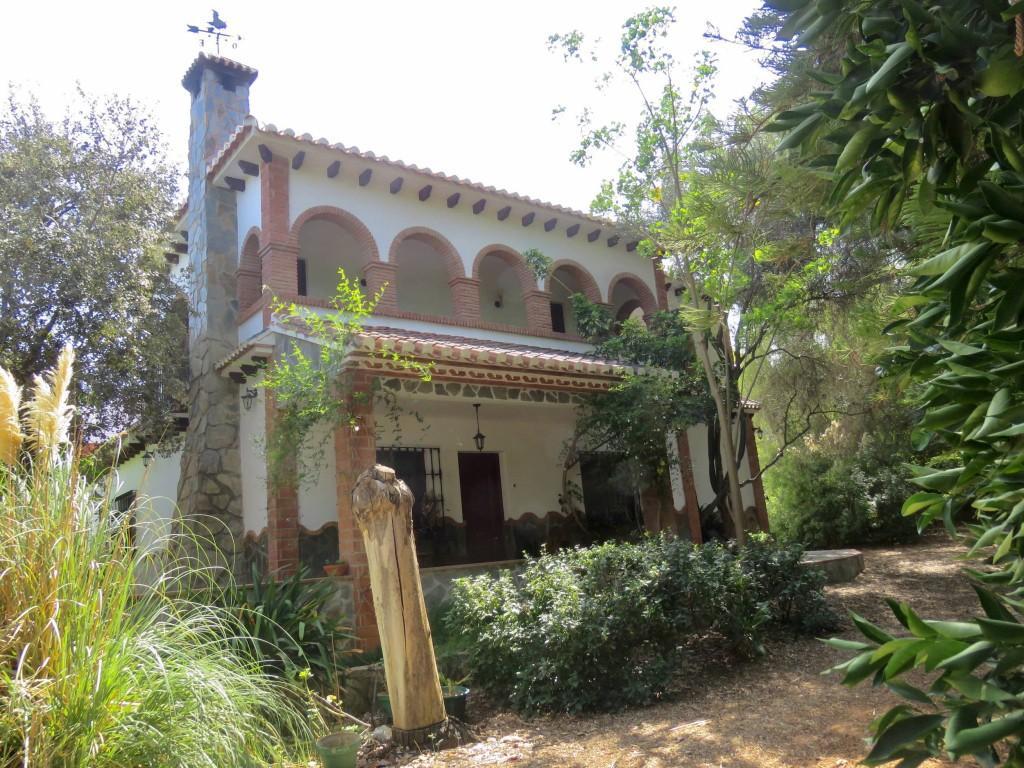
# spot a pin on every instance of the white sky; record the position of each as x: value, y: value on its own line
x: 462, y: 87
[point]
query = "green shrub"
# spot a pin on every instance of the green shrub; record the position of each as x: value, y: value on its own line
x: 606, y: 626
x: 823, y: 499
x: 817, y: 501
x: 290, y: 623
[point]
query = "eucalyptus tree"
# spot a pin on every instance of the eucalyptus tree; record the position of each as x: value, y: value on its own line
x: 921, y: 125
x: 744, y: 234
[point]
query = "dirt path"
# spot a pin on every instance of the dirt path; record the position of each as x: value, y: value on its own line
x: 778, y: 711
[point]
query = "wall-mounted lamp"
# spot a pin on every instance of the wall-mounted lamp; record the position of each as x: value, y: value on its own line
x: 249, y: 397
x: 479, y: 437
x: 147, y: 458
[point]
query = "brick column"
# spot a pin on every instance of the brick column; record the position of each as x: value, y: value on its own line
x: 355, y: 450
x: 466, y: 298
x: 278, y: 255
x: 538, y: 310
x: 755, y: 470
x: 689, y: 488
x: 282, y: 510
x: 381, y: 274
x: 659, y: 286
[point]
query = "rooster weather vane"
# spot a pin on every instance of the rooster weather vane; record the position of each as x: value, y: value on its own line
x: 215, y: 29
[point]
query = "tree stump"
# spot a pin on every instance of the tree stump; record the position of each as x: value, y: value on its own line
x: 382, y: 505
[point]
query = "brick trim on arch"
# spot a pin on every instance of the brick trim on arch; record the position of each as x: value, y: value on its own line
x: 440, y: 243
x: 586, y: 280
x: 343, y: 219
x: 249, y: 276
x: 648, y: 303
x: 513, y: 258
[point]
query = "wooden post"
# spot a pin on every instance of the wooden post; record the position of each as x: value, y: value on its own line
x: 382, y: 505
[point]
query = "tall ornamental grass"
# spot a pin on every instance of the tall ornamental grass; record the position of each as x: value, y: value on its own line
x: 97, y: 668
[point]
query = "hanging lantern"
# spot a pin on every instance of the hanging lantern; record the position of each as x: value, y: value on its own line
x: 479, y: 437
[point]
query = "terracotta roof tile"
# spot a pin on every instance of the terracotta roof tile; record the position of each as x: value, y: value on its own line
x: 222, y: 157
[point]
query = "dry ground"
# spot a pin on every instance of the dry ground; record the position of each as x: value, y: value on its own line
x: 778, y: 711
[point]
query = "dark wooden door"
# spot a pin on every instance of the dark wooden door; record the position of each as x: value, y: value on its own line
x: 482, y: 510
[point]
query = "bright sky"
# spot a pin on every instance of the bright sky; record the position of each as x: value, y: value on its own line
x: 462, y: 87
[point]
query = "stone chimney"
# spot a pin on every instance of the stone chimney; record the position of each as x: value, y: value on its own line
x: 210, y: 486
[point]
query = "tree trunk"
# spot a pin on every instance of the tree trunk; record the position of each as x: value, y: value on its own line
x: 727, y: 446
x: 382, y: 505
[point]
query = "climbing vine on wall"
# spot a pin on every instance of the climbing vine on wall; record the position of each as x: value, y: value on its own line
x: 311, y: 383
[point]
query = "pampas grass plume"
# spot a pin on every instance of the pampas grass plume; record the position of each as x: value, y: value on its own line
x: 49, y: 415
x: 11, y: 435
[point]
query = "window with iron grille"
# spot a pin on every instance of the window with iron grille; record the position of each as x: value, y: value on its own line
x: 420, y: 469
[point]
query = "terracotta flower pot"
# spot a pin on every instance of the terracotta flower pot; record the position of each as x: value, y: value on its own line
x: 336, y: 569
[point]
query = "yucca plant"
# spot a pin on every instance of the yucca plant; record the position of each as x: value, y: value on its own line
x: 97, y: 668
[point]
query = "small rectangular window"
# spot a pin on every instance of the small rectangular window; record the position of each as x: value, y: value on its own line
x: 557, y: 317
x: 302, y: 276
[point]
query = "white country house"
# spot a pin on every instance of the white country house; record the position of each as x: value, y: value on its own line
x: 272, y: 213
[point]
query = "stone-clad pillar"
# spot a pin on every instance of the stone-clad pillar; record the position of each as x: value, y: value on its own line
x: 210, y: 485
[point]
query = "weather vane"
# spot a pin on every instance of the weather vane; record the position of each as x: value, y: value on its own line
x: 215, y: 29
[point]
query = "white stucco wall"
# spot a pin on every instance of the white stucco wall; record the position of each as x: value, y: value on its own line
x: 156, y: 492
x: 386, y: 215
x: 698, y: 437
x: 528, y: 439
x: 318, y: 496
x: 248, y: 203
x: 254, y: 466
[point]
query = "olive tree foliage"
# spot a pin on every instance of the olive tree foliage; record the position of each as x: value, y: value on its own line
x: 920, y: 124
x: 744, y: 234
x: 85, y: 204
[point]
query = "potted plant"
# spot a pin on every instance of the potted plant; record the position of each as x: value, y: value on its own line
x: 456, y: 696
x: 339, y: 749
x: 454, y: 693
x: 335, y: 570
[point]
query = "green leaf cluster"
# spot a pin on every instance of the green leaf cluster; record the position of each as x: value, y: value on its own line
x: 310, y: 385
x: 921, y: 124
x: 608, y: 626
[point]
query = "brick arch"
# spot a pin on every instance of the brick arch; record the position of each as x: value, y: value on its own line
x: 343, y: 219
x: 648, y: 303
x: 440, y: 243
x: 249, y: 279
x: 586, y: 280
x: 527, y: 280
